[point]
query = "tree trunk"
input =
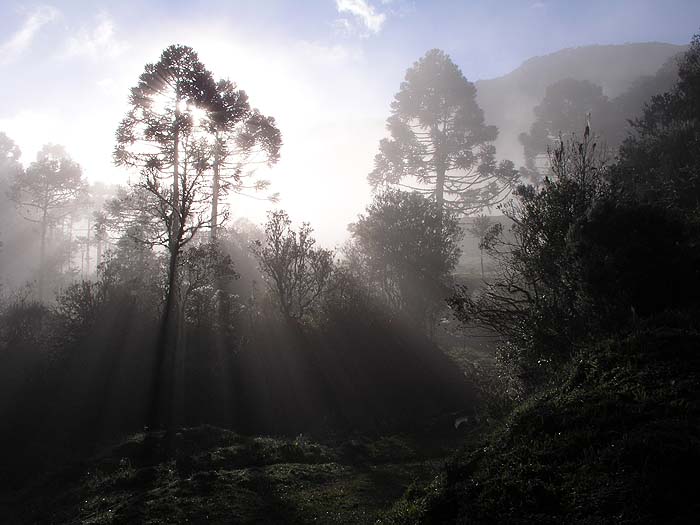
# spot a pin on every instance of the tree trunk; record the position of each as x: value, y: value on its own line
x: 42, y: 259
x: 98, y: 255
x: 215, y: 191
x: 87, y: 248
x: 176, y: 178
x: 481, y: 252
x: 440, y: 159
x: 440, y: 188
x: 162, y: 408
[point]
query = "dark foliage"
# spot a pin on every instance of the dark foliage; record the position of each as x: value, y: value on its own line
x: 244, y: 367
x: 660, y: 162
x: 615, y: 442
x: 605, y: 279
x: 406, y: 247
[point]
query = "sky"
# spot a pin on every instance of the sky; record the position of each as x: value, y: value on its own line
x: 327, y: 70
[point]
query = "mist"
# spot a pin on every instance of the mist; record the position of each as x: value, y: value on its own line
x: 355, y: 261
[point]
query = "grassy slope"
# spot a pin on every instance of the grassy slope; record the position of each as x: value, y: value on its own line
x: 219, y: 476
x: 617, y: 441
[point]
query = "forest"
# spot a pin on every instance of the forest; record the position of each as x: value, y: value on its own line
x: 498, y: 338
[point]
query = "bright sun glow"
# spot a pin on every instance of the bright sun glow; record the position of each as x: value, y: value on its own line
x: 198, y: 114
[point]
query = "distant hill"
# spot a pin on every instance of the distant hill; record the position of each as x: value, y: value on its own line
x: 508, y: 101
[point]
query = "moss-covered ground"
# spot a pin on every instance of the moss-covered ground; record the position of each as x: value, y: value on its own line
x: 218, y: 476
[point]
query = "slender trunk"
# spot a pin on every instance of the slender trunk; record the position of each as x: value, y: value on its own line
x: 178, y: 396
x: 176, y: 179
x: 70, y: 244
x: 42, y: 258
x: 161, y: 411
x: 61, y: 266
x: 87, y: 249
x: 440, y: 188
x: 481, y: 252
x: 215, y: 191
x: 440, y: 163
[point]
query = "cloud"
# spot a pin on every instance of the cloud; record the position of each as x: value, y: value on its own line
x: 538, y: 5
x: 97, y: 42
x: 362, y: 10
x: 109, y: 86
x: 22, y: 39
x: 335, y: 55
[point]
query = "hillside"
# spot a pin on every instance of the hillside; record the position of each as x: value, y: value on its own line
x: 615, y: 441
x: 508, y: 101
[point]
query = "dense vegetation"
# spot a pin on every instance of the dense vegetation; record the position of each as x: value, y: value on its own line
x: 148, y: 390
x: 597, y: 299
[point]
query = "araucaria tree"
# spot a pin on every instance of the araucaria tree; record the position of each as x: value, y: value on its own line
x: 161, y: 136
x: 45, y: 192
x: 164, y: 136
x: 439, y: 144
x: 191, y: 139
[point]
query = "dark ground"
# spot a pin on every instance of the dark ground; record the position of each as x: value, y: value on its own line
x: 218, y: 476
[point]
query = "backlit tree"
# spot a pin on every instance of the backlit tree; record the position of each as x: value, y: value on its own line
x: 439, y: 144
x: 45, y: 192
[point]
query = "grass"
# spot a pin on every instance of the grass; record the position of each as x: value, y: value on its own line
x: 218, y: 476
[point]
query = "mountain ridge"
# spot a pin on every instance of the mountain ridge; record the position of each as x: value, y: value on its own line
x: 508, y: 100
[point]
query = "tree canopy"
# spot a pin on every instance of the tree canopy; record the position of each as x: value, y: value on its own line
x: 407, y: 249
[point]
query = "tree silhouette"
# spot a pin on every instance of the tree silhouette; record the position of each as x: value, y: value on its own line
x: 10, y: 167
x: 565, y: 108
x: 439, y: 141
x: 159, y: 134
x: 164, y: 136
x: 242, y: 139
x: 9, y: 157
x: 534, y: 298
x: 656, y: 162
x: 45, y: 192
